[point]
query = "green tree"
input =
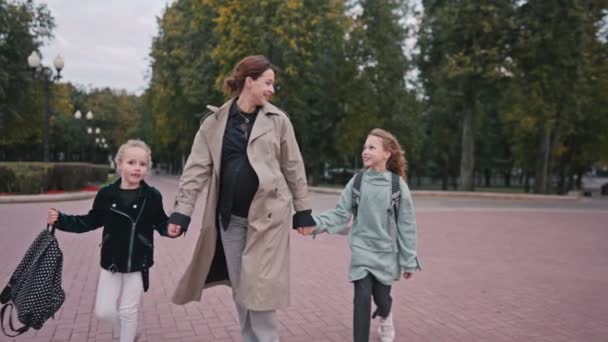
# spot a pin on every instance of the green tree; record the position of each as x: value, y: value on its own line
x: 464, y: 49
x: 116, y: 113
x: 556, y: 55
x: 379, y: 96
x: 305, y: 40
x: 183, y: 78
x: 23, y: 28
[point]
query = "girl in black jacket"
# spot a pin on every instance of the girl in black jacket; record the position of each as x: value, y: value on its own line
x: 129, y: 211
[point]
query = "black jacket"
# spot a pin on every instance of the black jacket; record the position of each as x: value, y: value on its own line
x: 128, y: 233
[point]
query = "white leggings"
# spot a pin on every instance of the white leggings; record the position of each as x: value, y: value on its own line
x: 118, y: 297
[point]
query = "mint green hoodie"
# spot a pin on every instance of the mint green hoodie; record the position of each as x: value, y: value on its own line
x: 377, y: 245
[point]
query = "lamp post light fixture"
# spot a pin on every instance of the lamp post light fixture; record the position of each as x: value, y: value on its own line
x: 79, y: 116
x: 94, y: 146
x: 103, y: 144
x: 48, y: 78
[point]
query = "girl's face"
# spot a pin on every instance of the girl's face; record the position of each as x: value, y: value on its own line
x: 261, y: 89
x: 374, y: 155
x: 133, y: 167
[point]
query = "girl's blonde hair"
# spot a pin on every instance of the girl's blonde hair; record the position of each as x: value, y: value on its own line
x: 396, y: 162
x: 133, y: 143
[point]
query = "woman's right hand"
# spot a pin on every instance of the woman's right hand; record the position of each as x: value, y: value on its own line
x: 52, y: 216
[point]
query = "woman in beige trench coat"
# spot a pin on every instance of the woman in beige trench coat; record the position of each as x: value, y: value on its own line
x: 247, y: 156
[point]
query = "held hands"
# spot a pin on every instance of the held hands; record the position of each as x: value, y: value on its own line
x: 305, y: 231
x: 52, y: 216
x: 174, y: 230
x: 408, y: 275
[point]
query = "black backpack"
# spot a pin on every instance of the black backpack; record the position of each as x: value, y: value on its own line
x: 35, y: 287
x: 395, y: 194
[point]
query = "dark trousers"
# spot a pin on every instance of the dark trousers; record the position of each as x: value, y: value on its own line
x: 364, y: 290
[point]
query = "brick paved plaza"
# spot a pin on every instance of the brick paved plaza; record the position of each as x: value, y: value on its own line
x: 493, y: 270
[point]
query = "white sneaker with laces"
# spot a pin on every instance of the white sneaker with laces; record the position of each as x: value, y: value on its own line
x: 386, y: 330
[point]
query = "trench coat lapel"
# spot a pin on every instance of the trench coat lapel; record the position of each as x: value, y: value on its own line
x: 262, y: 125
x: 217, y: 135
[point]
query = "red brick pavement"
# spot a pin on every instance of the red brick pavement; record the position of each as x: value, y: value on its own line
x: 492, y: 272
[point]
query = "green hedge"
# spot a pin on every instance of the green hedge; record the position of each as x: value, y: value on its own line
x: 34, y: 178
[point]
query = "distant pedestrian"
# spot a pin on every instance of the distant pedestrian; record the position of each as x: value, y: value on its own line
x: 129, y: 210
x: 383, y: 234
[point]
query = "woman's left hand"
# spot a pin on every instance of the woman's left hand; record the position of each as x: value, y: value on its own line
x: 407, y: 275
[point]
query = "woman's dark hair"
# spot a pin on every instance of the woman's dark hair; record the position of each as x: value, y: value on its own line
x: 250, y: 66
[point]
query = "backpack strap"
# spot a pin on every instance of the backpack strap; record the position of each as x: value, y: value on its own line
x: 51, y: 228
x: 356, y: 193
x: 395, y: 194
x: 17, y: 332
x: 6, y: 294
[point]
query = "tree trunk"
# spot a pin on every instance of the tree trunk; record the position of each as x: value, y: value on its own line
x: 550, y: 139
x: 521, y: 178
x: 488, y: 177
x: 570, y: 186
x: 445, y: 176
x: 467, y: 161
x: 561, y: 185
x: 541, y: 177
x: 579, y: 180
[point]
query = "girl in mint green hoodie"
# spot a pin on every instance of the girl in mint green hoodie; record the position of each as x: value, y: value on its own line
x: 383, y: 234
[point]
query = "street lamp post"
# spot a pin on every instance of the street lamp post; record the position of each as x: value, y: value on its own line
x: 48, y: 78
x: 103, y: 146
x: 93, y: 141
x: 89, y: 116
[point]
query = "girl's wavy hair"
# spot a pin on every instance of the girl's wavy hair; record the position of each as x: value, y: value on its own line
x: 250, y: 66
x: 396, y: 162
x: 132, y: 143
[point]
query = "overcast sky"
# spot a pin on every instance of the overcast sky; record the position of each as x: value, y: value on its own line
x: 104, y: 42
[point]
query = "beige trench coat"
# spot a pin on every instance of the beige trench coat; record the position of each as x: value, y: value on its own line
x: 275, y: 156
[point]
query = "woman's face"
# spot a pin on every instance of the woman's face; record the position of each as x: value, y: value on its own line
x: 261, y: 89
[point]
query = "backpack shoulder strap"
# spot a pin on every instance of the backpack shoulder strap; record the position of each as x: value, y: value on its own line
x: 395, y: 194
x: 16, y: 332
x: 356, y: 192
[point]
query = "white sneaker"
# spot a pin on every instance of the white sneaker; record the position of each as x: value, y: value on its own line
x: 386, y: 330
